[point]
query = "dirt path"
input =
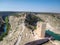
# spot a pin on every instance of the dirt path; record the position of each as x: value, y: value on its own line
x: 20, y: 35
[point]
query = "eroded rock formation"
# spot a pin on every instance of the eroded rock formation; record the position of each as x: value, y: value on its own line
x: 19, y: 34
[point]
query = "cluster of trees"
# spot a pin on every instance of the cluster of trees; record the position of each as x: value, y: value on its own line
x: 31, y: 21
x: 7, y: 27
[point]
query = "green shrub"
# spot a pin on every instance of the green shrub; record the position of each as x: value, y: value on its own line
x: 31, y: 21
x: 7, y: 28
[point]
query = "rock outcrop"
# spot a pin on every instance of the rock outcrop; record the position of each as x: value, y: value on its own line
x: 19, y: 34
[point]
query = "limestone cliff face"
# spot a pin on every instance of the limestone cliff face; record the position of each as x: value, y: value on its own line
x: 19, y: 34
x: 52, y: 22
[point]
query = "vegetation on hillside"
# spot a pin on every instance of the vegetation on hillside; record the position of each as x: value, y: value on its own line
x: 31, y: 21
x: 17, y: 15
x: 7, y: 28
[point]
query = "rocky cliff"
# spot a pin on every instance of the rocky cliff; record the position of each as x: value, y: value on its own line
x: 19, y: 34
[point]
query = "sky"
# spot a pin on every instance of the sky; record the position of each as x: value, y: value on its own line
x: 30, y: 5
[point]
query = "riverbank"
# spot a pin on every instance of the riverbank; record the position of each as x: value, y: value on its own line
x: 5, y: 27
